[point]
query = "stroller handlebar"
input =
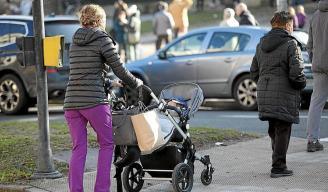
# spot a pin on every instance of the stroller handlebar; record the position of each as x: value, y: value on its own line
x: 145, y: 87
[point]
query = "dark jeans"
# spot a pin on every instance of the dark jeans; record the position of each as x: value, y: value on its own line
x: 279, y: 132
x: 160, y: 38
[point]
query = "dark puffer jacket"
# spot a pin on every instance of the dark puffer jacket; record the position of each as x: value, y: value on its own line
x: 246, y: 18
x: 91, y: 55
x: 278, y: 70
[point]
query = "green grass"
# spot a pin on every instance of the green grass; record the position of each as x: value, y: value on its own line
x: 19, y: 145
x: 207, y: 137
x: 196, y: 19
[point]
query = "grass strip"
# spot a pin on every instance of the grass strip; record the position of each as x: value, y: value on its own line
x: 19, y: 145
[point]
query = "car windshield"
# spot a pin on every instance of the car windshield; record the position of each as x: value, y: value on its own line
x: 65, y: 28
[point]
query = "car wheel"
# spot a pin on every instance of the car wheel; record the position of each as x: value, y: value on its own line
x: 245, y: 93
x: 13, y: 97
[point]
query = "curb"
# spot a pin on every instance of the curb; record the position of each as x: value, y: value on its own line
x: 19, y: 188
x: 13, y: 188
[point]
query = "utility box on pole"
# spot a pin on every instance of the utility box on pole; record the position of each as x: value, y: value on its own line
x: 45, y: 164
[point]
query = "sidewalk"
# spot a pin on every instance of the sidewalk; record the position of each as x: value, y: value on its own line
x: 242, y: 167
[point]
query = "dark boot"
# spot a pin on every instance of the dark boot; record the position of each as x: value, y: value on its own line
x: 275, y: 173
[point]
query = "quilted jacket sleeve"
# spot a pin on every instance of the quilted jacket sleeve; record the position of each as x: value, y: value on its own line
x: 109, y: 52
x: 296, y: 75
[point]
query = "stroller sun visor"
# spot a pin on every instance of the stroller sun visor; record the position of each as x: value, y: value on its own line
x: 188, y: 94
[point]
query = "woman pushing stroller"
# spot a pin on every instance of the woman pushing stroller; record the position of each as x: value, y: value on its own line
x: 92, y: 53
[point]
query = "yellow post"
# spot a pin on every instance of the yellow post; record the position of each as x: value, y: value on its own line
x: 53, y: 51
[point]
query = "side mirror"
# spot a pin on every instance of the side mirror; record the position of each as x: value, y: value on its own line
x: 162, y: 55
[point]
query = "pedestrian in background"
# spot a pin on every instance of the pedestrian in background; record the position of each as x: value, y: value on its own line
x: 246, y: 17
x: 179, y: 11
x: 318, y: 50
x: 134, y: 33
x: 229, y: 18
x: 277, y: 68
x: 120, y: 23
x: 301, y: 16
x: 26, y: 7
x: 163, y: 25
x: 92, y: 53
x: 292, y: 12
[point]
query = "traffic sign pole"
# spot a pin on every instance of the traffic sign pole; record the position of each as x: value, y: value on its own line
x: 45, y: 164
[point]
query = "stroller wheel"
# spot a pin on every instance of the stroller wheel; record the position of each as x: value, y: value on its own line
x: 132, y: 178
x: 206, y: 177
x: 182, y: 178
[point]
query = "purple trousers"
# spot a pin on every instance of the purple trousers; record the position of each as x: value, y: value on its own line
x: 100, y: 119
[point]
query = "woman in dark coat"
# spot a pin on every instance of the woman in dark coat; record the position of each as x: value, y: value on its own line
x: 278, y: 70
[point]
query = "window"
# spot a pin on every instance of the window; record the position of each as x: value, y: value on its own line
x: 17, y: 30
x: 4, y: 34
x: 67, y: 29
x: 224, y: 41
x: 187, y: 46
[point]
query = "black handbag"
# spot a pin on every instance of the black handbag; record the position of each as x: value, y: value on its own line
x: 123, y: 131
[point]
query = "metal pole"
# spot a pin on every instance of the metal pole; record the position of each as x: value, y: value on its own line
x: 282, y: 5
x: 45, y: 165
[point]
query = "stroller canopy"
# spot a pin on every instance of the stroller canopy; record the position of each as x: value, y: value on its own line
x: 190, y: 93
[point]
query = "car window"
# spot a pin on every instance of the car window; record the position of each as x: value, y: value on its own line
x: 17, y: 30
x: 224, y: 41
x: 187, y: 46
x: 66, y: 28
x: 4, y: 34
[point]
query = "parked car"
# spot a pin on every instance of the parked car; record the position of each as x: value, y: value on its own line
x: 17, y: 83
x: 217, y: 59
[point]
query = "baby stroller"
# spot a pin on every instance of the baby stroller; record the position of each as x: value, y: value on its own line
x: 174, y: 161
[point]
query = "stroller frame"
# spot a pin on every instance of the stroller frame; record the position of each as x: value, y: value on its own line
x: 182, y: 174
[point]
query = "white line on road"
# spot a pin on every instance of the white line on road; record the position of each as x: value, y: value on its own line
x: 324, y: 139
x: 256, y: 116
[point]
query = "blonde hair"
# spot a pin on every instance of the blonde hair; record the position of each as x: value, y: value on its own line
x: 228, y: 13
x: 300, y: 9
x: 291, y: 10
x: 92, y: 15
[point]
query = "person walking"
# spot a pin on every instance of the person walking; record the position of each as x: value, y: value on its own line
x: 318, y: 50
x: 301, y: 16
x: 229, y: 18
x: 26, y: 7
x: 120, y: 23
x: 246, y: 17
x: 163, y: 25
x: 92, y: 53
x: 134, y: 34
x: 179, y: 11
x: 292, y: 11
x: 277, y: 68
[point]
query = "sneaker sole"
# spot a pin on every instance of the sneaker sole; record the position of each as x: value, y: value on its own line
x: 274, y: 175
x: 314, y: 150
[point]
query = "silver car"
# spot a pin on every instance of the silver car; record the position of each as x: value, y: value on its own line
x: 217, y: 59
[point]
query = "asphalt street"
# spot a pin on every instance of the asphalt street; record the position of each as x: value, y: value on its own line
x: 216, y: 114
